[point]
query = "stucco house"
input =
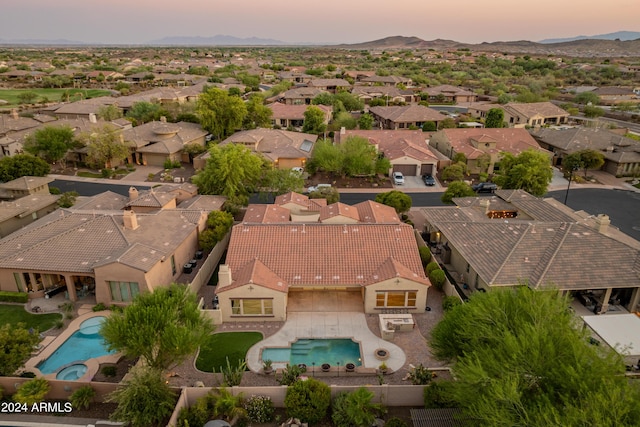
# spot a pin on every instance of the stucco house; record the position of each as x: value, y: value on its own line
x: 109, y: 245
x: 329, y: 85
x: 288, y: 115
x: 524, y: 115
x: 346, y: 251
x: 405, y: 117
x: 387, y: 80
x: 390, y: 94
x: 300, y: 95
x: 28, y: 199
x: 483, y: 147
x: 407, y: 150
x: 621, y: 154
x: 451, y: 94
x: 514, y: 238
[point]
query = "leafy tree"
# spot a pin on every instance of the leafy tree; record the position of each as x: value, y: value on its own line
x: 586, y: 98
x: 327, y: 157
x: 520, y: 359
x: 324, y: 98
x: 454, y: 172
x: 144, y: 112
x: 193, y: 149
x: 232, y: 170
x: 459, y: 158
x: 16, y: 346
x: 50, y: 143
x: 109, y: 112
x: 437, y: 278
x: 331, y: 194
x: 359, y: 156
x: 144, y: 400
x: 584, y: 159
x: 344, y: 120
x: 164, y: 327
x: 349, y: 101
x: 447, y: 123
x: 495, y: 118
x: 482, y: 162
x: 68, y: 199
x: 592, y: 112
x: 429, y: 127
x: 258, y: 115
x: 530, y: 171
x: 355, y: 409
x: 308, y: 400
x: 365, y: 122
x: 457, y: 189
x: 104, y: 147
x: 314, y: 120
x: 281, y: 181
x: 504, y: 98
x: 218, y: 225
x: 398, y: 200
x: 22, y: 165
x: 220, y: 114
x: 27, y: 97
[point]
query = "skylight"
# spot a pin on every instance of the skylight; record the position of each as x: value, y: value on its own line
x: 306, y: 146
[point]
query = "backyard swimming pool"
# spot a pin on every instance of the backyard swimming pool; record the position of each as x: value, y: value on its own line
x: 84, y: 344
x: 316, y: 352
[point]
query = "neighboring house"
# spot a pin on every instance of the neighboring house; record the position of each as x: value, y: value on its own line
x: 300, y: 95
x: 622, y: 155
x: 524, y: 115
x: 611, y: 95
x: 391, y: 94
x: 348, y: 253
x: 111, y: 252
x: 407, y: 150
x: 404, y: 117
x: 283, y: 148
x: 80, y: 109
x: 295, y: 77
x: 387, y: 81
x: 293, y: 115
x: 450, y: 94
x: 300, y: 208
x: 329, y: 85
x: 13, y: 129
x: 154, y: 143
x: 514, y: 238
x: 24, y: 186
x: 478, y: 143
x: 23, y: 211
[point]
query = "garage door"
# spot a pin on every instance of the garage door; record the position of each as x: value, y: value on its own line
x: 407, y: 170
x: 426, y: 169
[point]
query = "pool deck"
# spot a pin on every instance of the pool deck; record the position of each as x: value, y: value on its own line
x: 53, y: 345
x: 351, y: 325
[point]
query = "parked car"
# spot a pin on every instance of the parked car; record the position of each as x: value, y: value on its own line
x: 317, y: 187
x: 429, y: 180
x: 298, y: 169
x: 398, y: 178
x: 484, y: 187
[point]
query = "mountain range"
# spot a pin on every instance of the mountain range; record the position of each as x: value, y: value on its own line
x: 217, y: 40
x: 618, y: 35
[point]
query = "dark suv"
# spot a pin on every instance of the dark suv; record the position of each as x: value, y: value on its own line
x: 429, y: 180
x: 485, y: 187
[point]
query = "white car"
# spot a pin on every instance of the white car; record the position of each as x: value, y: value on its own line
x: 398, y: 178
x: 318, y: 187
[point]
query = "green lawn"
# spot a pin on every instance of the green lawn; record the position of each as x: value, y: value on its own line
x: 14, y: 314
x: 53, y: 95
x: 233, y: 345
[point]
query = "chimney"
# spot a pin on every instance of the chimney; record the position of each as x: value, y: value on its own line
x: 602, y: 222
x: 14, y: 114
x: 224, y: 276
x: 163, y: 119
x: 133, y: 193
x: 485, y: 204
x: 92, y: 118
x: 130, y: 220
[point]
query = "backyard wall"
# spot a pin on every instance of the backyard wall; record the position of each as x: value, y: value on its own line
x: 209, y: 264
x: 59, y: 389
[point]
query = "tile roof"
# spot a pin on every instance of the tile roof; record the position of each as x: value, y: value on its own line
x: 545, y: 109
x: 26, y: 205
x: 339, y: 209
x: 103, y: 201
x: 152, y: 199
x: 266, y: 214
x: 26, y: 183
x: 255, y: 272
x: 161, y: 137
x: 205, y: 203
x: 324, y: 254
x: 273, y: 143
x: 449, y: 90
x: 408, y: 113
x: 294, y: 112
x: 376, y: 213
x: 395, y: 143
x: 469, y: 140
x: 302, y: 92
x: 329, y: 82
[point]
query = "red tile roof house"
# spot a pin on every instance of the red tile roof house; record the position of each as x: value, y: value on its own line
x: 293, y: 115
x: 404, y: 117
x: 351, y: 251
x: 474, y: 143
x: 330, y: 85
x: 524, y: 115
x: 387, y: 80
x: 300, y: 95
x: 283, y: 148
x: 448, y: 93
x: 113, y: 245
x: 407, y: 150
x: 545, y: 245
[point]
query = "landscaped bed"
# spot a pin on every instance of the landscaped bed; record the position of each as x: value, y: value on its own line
x: 14, y: 314
x: 233, y: 345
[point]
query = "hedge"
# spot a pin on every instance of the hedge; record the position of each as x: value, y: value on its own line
x: 7, y: 296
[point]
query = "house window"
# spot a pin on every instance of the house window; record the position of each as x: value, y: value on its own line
x: 19, y: 284
x: 123, y: 291
x: 401, y: 125
x: 173, y: 265
x: 252, y: 306
x: 396, y: 298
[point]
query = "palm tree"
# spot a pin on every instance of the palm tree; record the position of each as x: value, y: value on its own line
x: 228, y: 406
x: 359, y: 409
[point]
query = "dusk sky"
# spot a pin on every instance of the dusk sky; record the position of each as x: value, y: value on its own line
x: 328, y: 21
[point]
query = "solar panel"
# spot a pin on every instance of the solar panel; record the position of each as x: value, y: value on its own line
x: 306, y: 145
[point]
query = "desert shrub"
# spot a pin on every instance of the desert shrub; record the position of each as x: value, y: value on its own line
x: 435, y: 396
x: 290, y: 374
x: 395, y: 422
x: 431, y: 266
x: 233, y: 374
x: 437, y: 278
x: 259, y: 409
x: 450, y: 301
x: 425, y: 255
x: 21, y: 297
x: 82, y: 397
x: 99, y: 307
x: 355, y: 409
x: 420, y: 375
x: 32, y: 391
x: 196, y: 415
x: 59, y: 324
x: 109, y: 371
x: 308, y: 400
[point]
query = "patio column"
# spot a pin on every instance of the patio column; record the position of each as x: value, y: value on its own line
x: 71, y: 287
x: 635, y: 300
x: 604, y: 302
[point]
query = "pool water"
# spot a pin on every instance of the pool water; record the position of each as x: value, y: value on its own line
x: 316, y: 351
x: 84, y: 344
